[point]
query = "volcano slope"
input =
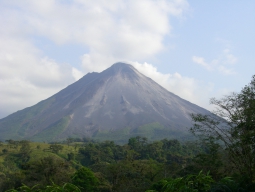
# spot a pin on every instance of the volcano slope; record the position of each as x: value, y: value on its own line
x: 115, y: 104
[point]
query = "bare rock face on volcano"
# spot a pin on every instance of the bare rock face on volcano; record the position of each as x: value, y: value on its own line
x: 115, y: 104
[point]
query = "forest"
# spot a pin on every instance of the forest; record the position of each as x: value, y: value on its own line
x: 220, y: 159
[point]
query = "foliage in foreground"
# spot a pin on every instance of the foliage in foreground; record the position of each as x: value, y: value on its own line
x: 67, y: 187
x: 190, y: 183
x: 233, y: 125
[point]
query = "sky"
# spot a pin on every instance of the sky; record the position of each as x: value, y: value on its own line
x: 195, y: 49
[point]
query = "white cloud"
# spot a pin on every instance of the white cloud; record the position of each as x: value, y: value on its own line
x: 18, y: 93
x: 77, y: 74
x: 123, y: 30
x: 112, y: 31
x: 26, y: 77
x: 200, y: 61
x: 222, y: 69
x: 228, y: 58
x: 97, y: 62
x: 220, y: 64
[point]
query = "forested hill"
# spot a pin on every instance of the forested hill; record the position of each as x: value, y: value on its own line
x: 137, y: 166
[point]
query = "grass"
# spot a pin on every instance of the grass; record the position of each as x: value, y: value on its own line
x: 119, y: 136
x: 38, y: 151
x: 53, y: 131
x: 152, y: 131
x: 148, y: 130
x: 16, y: 121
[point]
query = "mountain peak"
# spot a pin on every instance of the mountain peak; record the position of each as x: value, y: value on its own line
x: 115, y: 104
x: 123, y: 69
x: 121, y: 65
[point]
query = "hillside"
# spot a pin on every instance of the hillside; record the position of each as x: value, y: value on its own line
x: 115, y: 104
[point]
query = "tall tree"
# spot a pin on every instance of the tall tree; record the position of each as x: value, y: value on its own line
x: 85, y: 179
x: 25, y: 150
x: 47, y: 170
x: 233, y: 124
x: 55, y: 148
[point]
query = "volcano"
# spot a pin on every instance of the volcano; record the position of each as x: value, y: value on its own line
x: 115, y: 104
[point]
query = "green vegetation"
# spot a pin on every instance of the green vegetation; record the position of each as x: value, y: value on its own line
x: 221, y: 160
x: 17, y: 128
x: 85, y: 179
x: 54, y: 130
x: 122, y: 135
x: 139, y: 165
x: 152, y: 131
x: 234, y: 127
x: 106, y: 166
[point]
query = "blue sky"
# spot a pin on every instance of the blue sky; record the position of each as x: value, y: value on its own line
x: 195, y: 49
